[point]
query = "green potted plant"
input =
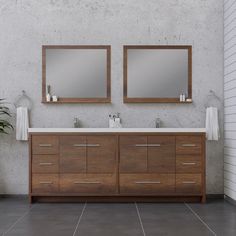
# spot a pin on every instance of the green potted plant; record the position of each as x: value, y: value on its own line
x: 5, y: 125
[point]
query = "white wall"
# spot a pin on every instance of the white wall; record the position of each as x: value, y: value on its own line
x: 27, y: 24
x: 230, y: 98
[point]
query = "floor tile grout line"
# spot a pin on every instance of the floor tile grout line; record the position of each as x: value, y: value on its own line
x: 140, y: 219
x: 200, y: 219
x: 77, y: 225
x: 18, y: 220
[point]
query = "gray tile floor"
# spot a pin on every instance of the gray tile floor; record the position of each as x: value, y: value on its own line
x: 18, y: 218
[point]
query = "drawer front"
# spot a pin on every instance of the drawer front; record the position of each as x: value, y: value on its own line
x: 161, y: 154
x: 188, y: 164
x: 73, y: 145
x: 101, y: 154
x: 45, y: 164
x: 188, y: 183
x: 88, y: 184
x: 147, y: 184
x: 188, y: 145
x: 45, y: 144
x: 133, y: 154
x: 45, y: 183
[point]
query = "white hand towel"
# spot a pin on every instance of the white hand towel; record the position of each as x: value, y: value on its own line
x: 22, y: 123
x: 212, y: 124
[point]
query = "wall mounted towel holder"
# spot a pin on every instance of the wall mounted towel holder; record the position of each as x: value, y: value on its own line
x: 23, y: 100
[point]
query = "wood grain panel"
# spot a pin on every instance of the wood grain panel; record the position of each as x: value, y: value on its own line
x: 188, y: 164
x: 45, y: 183
x: 161, y: 154
x: 144, y: 184
x: 45, y: 164
x: 45, y: 144
x: 133, y: 154
x: 188, y: 183
x: 97, y: 184
x: 101, y: 154
x: 188, y: 144
x: 72, y: 145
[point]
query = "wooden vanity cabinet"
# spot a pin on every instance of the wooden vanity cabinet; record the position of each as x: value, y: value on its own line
x: 117, y: 166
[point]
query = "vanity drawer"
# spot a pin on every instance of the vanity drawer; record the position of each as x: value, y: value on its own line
x: 188, y: 183
x: 88, y: 183
x: 73, y: 145
x: 133, y: 154
x: 188, y: 145
x: 188, y: 164
x: 161, y: 154
x: 45, y: 144
x: 45, y: 164
x: 45, y: 183
x: 143, y: 184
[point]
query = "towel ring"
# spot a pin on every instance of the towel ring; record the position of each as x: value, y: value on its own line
x: 211, y: 99
x: 23, y: 100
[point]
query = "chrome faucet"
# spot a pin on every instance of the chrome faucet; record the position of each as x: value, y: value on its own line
x: 158, y: 123
x: 76, y: 122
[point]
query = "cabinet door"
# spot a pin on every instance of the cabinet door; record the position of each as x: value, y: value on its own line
x: 72, y: 154
x: 101, y: 154
x: 161, y: 154
x: 133, y: 154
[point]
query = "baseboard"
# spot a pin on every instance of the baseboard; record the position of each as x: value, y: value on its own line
x: 230, y: 200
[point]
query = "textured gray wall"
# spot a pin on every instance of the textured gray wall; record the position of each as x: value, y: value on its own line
x: 27, y: 24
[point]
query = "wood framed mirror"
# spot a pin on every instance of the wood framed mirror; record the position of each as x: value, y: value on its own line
x: 157, y: 73
x: 76, y: 73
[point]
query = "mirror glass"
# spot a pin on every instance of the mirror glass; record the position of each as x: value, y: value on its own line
x: 156, y: 73
x: 77, y: 73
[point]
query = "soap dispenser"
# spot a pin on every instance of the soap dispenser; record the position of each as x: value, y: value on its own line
x: 48, y: 96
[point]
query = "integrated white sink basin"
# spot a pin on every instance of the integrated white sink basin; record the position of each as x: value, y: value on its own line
x: 115, y: 130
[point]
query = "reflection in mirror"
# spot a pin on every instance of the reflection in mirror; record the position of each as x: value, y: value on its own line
x: 77, y: 73
x: 156, y: 73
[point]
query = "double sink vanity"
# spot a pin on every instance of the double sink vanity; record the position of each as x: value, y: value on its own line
x: 126, y: 164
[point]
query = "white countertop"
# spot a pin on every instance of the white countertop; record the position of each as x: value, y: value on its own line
x: 114, y: 130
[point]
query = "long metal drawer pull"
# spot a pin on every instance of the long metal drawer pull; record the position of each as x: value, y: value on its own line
x: 140, y: 145
x: 189, y: 182
x: 93, y: 145
x: 87, y: 182
x: 45, y: 145
x: 188, y: 163
x: 45, y: 163
x: 189, y: 145
x: 154, y: 145
x: 46, y: 182
x: 79, y: 145
x: 148, y: 182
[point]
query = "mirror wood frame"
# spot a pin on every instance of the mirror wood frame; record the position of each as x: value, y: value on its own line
x: 127, y: 99
x: 106, y: 99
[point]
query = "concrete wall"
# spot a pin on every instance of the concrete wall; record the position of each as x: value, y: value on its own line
x: 27, y: 24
